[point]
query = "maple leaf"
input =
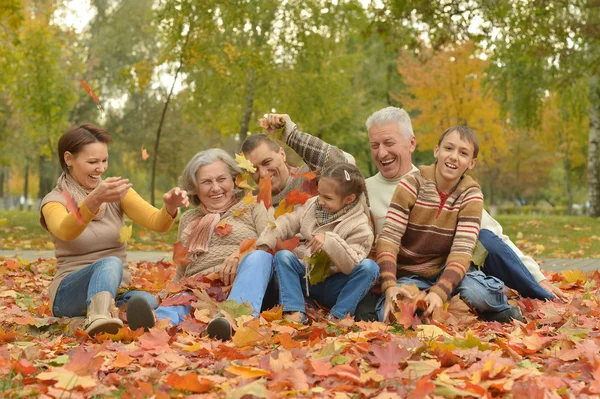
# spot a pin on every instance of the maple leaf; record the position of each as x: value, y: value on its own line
x: 248, y: 334
x: 145, y: 154
x: 283, y: 208
x: 288, y: 245
x: 72, y: 206
x: 310, y: 175
x: 67, y: 379
x: 180, y: 254
x: 388, y: 357
x: 239, y: 212
x: 256, y: 389
x: 122, y: 361
x: 264, y: 192
x: 321, y: 267
x: 423, y: 388
x: 247, y: 372
x: 7, y: 336
x: 85, y: 362
x: 155, y: 339
x: 25, y: 367
x: 574, y: 276
x: 243, y: 163
x: 297, y: 197
x: 247, y: 245
x: 125, y: 233
x: 88, y: 89
x: 242, y: 181
x: 222, y: 229
x: 188, y: 382
x: 405, y: 314
x: 249, y: 199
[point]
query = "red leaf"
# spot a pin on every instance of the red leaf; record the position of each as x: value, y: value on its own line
x: 188, y: 382
x: 91, y: 93
x: 155, y: 340
x: 180, y: 254
x: 264, y: 192
x: 223, y: 229
x: 297, y: 198
x: 25, y: 367
x: 145, y: 154
x: 406, y: 314
x: 72, y: 206
x: 84, y: 362
x: 423, y: 388
x: 288, y: 245
x: 182, y: 298
x: 388, y: 358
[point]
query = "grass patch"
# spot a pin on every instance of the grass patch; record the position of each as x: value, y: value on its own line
x: 553, y: 236
x: 21, y: 230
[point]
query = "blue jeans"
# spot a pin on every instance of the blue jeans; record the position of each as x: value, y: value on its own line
x: 79, y: 287
x: 483, y: 293
x: 254, y: 277
x: 340, y: 292
x: 503, y: 263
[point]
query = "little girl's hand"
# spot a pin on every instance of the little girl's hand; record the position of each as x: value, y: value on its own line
x: 316, y: 243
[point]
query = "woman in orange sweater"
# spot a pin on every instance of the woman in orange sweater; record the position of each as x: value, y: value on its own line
x: 84, y: 216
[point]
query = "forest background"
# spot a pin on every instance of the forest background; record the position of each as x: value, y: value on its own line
x: 176, y: 76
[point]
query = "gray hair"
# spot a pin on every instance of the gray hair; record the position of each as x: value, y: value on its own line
x: 188, y: 180
x: 391, y: 115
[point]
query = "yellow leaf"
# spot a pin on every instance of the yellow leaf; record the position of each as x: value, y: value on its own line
x: 3, y: 222
x: 239, y: 212
x: 247, y: 372
x: 249, y: 198
x: 574, y: 276
x: 244, y: 163
x: 242, y: 181
x: 283, y: 208
x: 273, y: 314
x: 125, y: 233
x: 272, y: 225
x: 67, y: 379
x: 248, y: 334
x: 122, y: 361
x: 8, y: 293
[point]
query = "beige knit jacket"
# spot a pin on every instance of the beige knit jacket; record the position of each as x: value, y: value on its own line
x: 348, y: 239
x: 244, y: 227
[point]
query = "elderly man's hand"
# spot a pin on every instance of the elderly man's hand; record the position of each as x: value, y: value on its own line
x: 555, y: 291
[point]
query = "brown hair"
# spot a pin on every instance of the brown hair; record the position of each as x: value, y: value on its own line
x: 349, y: 178
x: 255, y: 140
x: 466, y: 133
x: 77, y: 137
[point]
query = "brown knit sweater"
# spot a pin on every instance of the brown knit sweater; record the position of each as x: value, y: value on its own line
x: 244, y: 227
x: 420, y: 239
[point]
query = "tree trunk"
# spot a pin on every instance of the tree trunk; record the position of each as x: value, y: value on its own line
x: 249, y: 104
x: 567, y: 164
x: 593, y: 141
x: 26, y: 185
x: 47, y: 176
x: 2, y: 192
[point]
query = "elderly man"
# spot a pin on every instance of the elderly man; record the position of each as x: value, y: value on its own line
x: 392, y: 143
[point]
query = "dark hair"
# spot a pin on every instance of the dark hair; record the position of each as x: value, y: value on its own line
x: 255, y: 140
x: 466, y: 133
x: 77, y: 137
x: 349, y: 177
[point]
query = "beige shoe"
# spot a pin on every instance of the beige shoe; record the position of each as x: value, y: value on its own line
x: 99, y: 315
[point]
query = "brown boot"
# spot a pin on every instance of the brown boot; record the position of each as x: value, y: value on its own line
x: 99, y: 318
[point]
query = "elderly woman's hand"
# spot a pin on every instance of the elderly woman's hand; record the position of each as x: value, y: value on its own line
x: 175, y: 198
x: 229, y: 268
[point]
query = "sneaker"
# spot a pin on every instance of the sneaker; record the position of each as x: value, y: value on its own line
x: 505, y: 316
x: 365, y: 311
x: 140, y: 314
x: 219, y: 328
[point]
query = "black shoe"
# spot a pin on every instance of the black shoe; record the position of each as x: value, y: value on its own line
x: 139, y: 314
x: 365, y: 311
x: 219, y: 328
x: 505, y: 316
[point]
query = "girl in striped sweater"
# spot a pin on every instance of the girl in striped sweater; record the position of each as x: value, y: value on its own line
x: 430, y: 232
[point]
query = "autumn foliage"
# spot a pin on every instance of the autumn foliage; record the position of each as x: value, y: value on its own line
x: 555, y: 353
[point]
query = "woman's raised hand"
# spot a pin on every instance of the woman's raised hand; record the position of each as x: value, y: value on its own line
x: 112, y: 189
x: 175, y: 198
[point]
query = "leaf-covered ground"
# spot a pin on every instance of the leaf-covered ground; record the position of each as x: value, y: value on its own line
x: 556, y: 353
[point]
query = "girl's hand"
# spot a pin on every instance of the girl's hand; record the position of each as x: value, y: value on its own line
x: 175, y: 198
x: 390, y: 295
x: 112, y: 189
x: 433, y: 302
x: 316, y: 243
x: 229, y: 267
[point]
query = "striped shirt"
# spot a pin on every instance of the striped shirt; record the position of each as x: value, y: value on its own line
x: 421, y: 237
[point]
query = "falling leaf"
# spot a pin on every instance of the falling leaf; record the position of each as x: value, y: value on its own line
x: 310, y: 175
x: 283, y: 208
x: 297, y: 197
x: 243, y: 163
x: 180, y: 254
x: 125, y: 233
x: 249, y: 199
x: 247, y: 245
x: 145, y: 154
x: 88, y: 89
x: 72, y: 206
x: 264, y: 192
x: 188, y: 382
x: 321, y: 267
x: 242, y: 181
x: 287, y: 245
x: 239, y: 212
x: 222, y: 229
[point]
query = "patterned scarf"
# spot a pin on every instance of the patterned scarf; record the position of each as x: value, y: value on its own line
x: 66, y: 183
x: 197, y: 234
x: 324, y: 217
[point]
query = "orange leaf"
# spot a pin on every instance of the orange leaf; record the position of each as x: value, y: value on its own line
x: 121, y: 361
x: 145, y: 154
x: 72, y: 206
x: 248, y: 199
x: 246, y: 245
x: 7, y: 336
x: 296, y: 197
x: 180, y: 254
x: 242, y: 181
x: 288, y: 245
x: 91, y: 93
x: 188, y: 382
x: 223, y: 229
x: 310, y: 175
x: 264, y: 192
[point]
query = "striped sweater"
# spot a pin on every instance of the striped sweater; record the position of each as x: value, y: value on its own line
x: 419, y: 238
